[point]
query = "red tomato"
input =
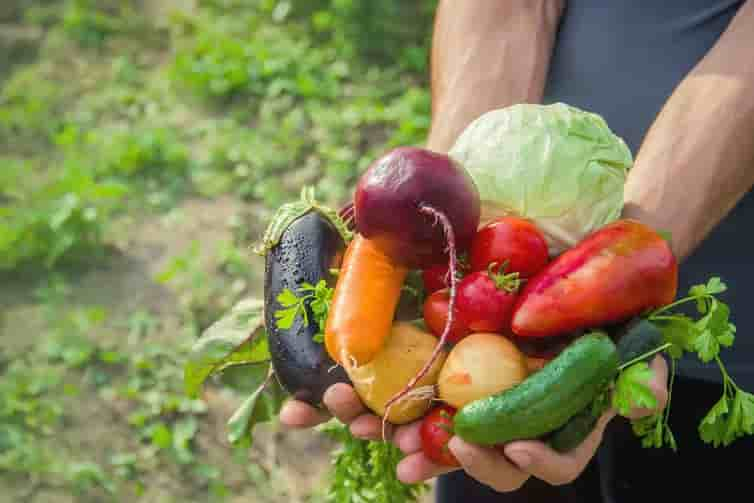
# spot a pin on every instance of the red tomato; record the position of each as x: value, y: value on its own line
x: 435, y: 431
x: 435, y: 278
x: 436, y: 314
x: 511, y: 239
x: 485, y: 300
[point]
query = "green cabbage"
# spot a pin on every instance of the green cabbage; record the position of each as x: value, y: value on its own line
x: 557, y: 165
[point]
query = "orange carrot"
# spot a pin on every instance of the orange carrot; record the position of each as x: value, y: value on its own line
x: 364, y: 302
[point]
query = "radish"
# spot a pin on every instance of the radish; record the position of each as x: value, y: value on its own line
x: 420, y: 207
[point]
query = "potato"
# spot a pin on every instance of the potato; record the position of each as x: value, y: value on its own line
x: 405, y: 352
x: 480, y: 365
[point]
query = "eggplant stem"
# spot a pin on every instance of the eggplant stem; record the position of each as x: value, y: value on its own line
x: 439, y: 219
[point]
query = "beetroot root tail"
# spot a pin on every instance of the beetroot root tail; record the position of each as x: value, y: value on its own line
x: 347, y: 214
x: 439, y: 219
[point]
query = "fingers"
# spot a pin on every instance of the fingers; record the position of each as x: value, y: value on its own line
x: 369, y: 427
x: 542, y: 462
x: 488, y: 466
x: 417, y: 467
x: 297, y: 414
x: 658, y: 385
x: 407, y: 438
x: 343, y: 402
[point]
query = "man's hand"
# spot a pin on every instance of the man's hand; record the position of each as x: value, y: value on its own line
x: 507, y: 468
x: 504, y: 469
x: 342, y: 402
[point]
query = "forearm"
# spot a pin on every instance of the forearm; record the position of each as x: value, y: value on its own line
x: 697, y: 160
x: 487, y: 54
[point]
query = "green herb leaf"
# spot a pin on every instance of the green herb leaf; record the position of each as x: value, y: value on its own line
x: 714, y: 330
x: 236, y: 339
x: 702, y: 293
x: 715, y: 286
x: 262, y: 405
x: 365, y: 471
x: 680, y: 332
x: 712, y: 428
x: 318, y: 298
x: 631, y: 390
x: 654, y: 431
x: 284, y: 318
x: 287, y: 298
x: 706, y: 346
x: 292, y: 307
x: 733, y: 415
x: 747, y: 412
x: 729, y: 419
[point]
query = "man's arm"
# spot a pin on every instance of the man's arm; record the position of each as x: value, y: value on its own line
x: 697, y: 159
x: 487, y: 54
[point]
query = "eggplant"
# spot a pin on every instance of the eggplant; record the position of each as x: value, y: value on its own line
x: 305, y: 252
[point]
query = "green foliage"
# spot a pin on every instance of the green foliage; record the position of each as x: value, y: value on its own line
x: 308, y: 105
x: 204, y: 295
x: 319, y: 111
x: 65, y: 217
x: 30, y: 102
x: 35, y: 385
x: 152, y: 161
x: 28, y: 412
x: 387, y: 31
x: 85, y: 24
x: 91, y: 22
x: 33, y: 389
x: 58, y: 220
x: 230, y: 58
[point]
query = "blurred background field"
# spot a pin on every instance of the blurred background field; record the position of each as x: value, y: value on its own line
x: 143, y: 145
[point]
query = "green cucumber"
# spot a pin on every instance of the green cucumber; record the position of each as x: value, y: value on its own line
x: 574, y: 431
x: 638, y: 337
x: 545, y: 400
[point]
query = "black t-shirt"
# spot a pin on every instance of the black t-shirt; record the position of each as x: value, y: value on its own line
x: 622, y: 59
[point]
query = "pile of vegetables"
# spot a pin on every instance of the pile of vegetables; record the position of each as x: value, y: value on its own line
x: 493, y: 293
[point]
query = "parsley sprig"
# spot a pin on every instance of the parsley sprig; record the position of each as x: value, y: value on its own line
x: 318, y: 297
x: 366, y: 471
x: 704, y: 336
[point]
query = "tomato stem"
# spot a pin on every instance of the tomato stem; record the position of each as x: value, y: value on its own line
x: 439, y: 219
x: 508, y: 282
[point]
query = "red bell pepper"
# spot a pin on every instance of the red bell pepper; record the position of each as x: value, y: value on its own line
x: 617, y: 272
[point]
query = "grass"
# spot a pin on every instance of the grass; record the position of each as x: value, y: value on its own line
x: 120, y: 120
